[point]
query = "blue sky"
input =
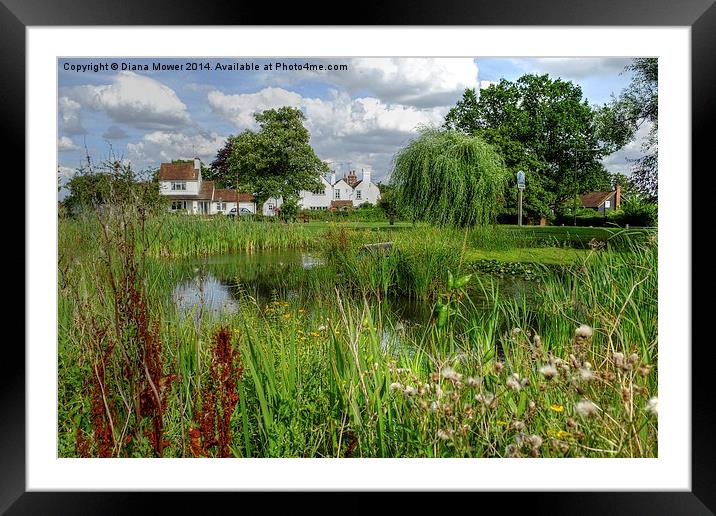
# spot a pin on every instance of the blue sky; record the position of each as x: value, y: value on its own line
x: 358, y: 118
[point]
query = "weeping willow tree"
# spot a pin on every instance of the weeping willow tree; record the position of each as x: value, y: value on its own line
x: 449, y: 178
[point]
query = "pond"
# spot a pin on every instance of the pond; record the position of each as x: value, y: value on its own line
x: 208, y: 287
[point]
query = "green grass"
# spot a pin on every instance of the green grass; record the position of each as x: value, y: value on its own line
x: 327, y: 371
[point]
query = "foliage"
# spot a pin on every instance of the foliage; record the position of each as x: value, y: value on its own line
x: 220, y: 170
x: 277, y: 161
x: 289, y: 209
x: 635, y: 106
x: 543, y: 127
x: 449, y: 178
x: 388, y: 203
x: 112, y: 182
x: 635, y: 210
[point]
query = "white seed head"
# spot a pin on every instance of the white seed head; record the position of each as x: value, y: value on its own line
x: 513, y: 383
x: 583, y: 332
x: 473, y: 382
x: 652, y: 406
x: 396, y: 386
x: 549, y: 371
x: 586, y: 408
x: 410, y: 391
x: 445, y: 436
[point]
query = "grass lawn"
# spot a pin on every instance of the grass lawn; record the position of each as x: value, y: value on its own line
x: 548, y: 255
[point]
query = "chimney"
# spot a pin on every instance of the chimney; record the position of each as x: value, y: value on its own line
x: 366, y: 175
x: 618, y: 197
x: 197, y: 164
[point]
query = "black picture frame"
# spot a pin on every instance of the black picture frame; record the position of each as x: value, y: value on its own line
x: 699, y: 15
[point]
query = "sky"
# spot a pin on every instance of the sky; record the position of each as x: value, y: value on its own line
x: 358, y: 116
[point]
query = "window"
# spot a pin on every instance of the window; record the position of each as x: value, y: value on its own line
x: 358, y: 194
x: 338, y: 193
x: 607, y: 204
x: 179, y: 185
x: 178, y: 205
x: 220, y: 206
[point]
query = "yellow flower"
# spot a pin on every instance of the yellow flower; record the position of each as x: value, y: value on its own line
x: 302, y: 339
x: 314, y: 334
x: 300, y: 332
x: 286, y: 316
x: 563, y: 435
x: 557, y: 408
x: 501, y: 423
x: 301, y: 310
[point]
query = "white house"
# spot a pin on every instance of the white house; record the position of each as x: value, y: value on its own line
x: 182, y: 183
x: 347, y: 191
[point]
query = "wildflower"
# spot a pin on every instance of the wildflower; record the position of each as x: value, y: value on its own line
x: 549, y: 371
x: 563, y: 435
x: 586, y: 408
x: 533, y: 441
x: 571, y: 422
x: 445, y: 436
x: 556, y: 407
x: 537, y: 341
x: 633, y: 359
x: 516, y: 331
x: 513, y: 382
x: 502, y: 423
x: 301, y: 310
x: 286, y: 316
x: 434, y: 406
x: 473, y: 382
x: 531, y: 407
x: 410, y: 391
x: 584, y: 332
x: 644, y: 370
x: 652, y: 406
x: 396, y: 386
x: 438, y: 391
x: 498, y: 367
x: 585, y: 372
x: 618, y: 359
x: 512, y: 451
x: 450, y: 374
x: 321, y: 327
x: 519, y: 426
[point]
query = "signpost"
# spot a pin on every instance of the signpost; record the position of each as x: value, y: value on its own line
x: 520, y: 187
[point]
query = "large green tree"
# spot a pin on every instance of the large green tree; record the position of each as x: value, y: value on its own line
x: 449, y: 178
x: 636, y: 106
x: 544, y: 127
x: 277, y: 160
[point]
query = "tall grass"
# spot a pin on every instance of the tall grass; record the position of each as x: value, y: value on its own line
x: 329, y: 372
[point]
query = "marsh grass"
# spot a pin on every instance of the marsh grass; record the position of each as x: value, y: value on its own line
x: 337, y: 377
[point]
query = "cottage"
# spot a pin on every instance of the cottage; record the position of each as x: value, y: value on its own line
x: 602, y: 202
x: 189, y: 193
x: 346, y: 192
x: 183, y: 184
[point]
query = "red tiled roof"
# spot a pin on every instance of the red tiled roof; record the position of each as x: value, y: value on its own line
x: 178, y: 171
x: 227, y: 195
x: 594, y: 199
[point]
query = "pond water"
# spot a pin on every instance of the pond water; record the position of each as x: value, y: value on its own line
x: 210, y: 286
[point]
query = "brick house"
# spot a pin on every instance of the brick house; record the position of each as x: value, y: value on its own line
x: 602, y: 202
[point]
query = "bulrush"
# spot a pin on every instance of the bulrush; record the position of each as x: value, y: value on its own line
x: 586, y: 408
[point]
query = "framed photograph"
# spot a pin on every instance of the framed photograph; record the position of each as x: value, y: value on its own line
x: 419, y: 253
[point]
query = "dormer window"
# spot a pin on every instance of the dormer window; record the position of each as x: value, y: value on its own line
x: 178, y: 185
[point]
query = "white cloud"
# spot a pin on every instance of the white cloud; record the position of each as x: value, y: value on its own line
x: 136, y: 100
x: 361, y: 131
x: 66, y: 144
x: 163, y: 146
x: 70, y: 116
x: 573, y: 67
x: 617, y: 162
x: 420, y: 82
